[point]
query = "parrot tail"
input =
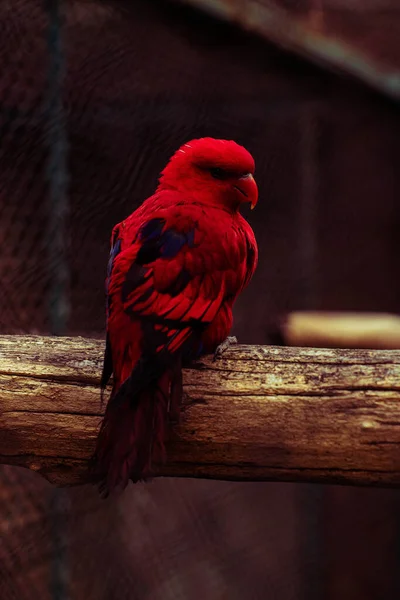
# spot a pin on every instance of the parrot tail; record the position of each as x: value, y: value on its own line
x: 134, y: 427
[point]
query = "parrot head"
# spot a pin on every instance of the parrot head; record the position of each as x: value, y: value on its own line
x: 217, y: 172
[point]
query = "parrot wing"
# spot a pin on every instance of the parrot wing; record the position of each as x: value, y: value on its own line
x: 171, y: 278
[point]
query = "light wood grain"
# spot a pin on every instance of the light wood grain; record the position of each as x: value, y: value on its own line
x: 257, y: 413
x: 342, y: 330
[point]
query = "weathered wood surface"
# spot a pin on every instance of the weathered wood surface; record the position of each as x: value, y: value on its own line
x: 257, y: 413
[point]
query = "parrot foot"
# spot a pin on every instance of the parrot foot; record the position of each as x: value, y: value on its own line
x: 230, y: 341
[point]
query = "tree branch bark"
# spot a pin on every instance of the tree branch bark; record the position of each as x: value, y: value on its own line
x: 257, y: 413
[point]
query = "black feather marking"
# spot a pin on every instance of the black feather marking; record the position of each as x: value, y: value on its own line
x: 152, y: 229
x: 250, y: 255
x: 179, y: 283
x: 115, y: 250
x: 150, y: 238
x: 148, y: 252
x: 136, y: 276
x: 108, y: 362
x: 146, y: 295
x: 157, y: 243
x: 152, y: 337
x: 107, y: 367
x: 172, y: 242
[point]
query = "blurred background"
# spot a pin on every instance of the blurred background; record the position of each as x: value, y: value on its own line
x: 94, y: 98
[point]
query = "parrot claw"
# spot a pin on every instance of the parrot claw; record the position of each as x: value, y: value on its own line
x: 230, y: 341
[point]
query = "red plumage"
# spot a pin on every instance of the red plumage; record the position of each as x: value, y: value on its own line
x: 176, y: 266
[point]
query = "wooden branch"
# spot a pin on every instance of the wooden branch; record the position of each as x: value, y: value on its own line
x: 342, y: 330
x: 257, y: 413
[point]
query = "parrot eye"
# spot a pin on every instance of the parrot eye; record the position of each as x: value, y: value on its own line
x: 218, y: 173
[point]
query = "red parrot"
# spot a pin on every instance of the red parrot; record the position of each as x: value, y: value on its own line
x: 176, y: 267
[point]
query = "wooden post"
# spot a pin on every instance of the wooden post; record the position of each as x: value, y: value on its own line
x: 257, y: 413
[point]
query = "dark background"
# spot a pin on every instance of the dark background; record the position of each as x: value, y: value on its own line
x: 141, y: 78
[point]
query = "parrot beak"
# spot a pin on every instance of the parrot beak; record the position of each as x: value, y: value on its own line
x: 248, y: 187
